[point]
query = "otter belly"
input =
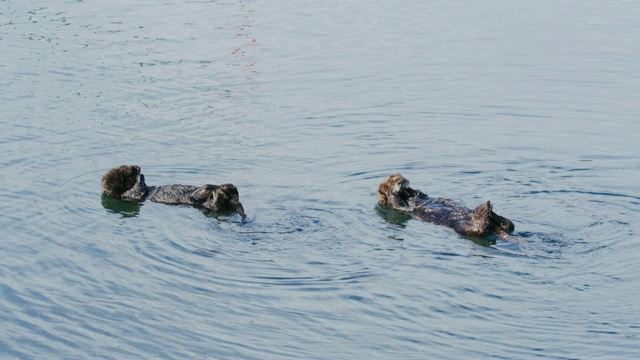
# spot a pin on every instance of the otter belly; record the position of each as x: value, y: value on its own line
x: 173, y: 194
x: 442, y: 212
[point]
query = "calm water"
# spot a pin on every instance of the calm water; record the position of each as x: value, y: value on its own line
x: 306, y: 107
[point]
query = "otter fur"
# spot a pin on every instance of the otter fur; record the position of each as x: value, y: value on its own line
x: 394, y: 192
x: 127, y: 183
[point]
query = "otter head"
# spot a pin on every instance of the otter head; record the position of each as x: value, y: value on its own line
x: 118, y: 180
x: 395, y: 185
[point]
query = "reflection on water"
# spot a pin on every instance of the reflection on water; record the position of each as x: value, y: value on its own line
x: 124, y: 208
x: 132, y: 209
x: 391, y: 216
x: 306, y: 107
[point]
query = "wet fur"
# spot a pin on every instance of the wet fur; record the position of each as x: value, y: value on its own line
x: 128, y: 183
x: 394, y: 192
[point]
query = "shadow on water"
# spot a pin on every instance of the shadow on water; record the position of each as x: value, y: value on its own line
x: 486, y: 241
x: 123, y: 208
x: 393, y: 217
x: 221, y: 215
x: 548, y: 245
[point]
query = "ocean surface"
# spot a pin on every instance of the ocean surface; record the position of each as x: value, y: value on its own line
x: 305, y: 107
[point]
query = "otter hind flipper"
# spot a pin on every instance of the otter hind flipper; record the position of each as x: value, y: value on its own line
x: 236, y: 206
x: 203, y: 193
x: 231, y: 196
x: 484, y: 215
x: 504, y: 223
x: 223, y: 197
x: 478, y: 223
x: 484, y: 211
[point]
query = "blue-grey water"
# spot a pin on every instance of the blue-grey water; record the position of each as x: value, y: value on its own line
x: 306, y: 106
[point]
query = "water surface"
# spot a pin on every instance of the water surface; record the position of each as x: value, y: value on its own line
x: 306, y: 107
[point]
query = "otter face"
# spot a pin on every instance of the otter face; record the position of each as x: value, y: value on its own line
x: 392, y: 185
x: 118, y: 180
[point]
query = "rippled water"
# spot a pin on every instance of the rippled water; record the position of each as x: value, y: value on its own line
x: 306, y: 107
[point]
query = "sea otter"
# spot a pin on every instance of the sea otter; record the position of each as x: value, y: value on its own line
x: 126, y: 182
x: 394, y: 192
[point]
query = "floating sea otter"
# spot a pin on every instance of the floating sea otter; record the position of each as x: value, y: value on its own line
x: 127, y: 183
x: 394, y: 192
